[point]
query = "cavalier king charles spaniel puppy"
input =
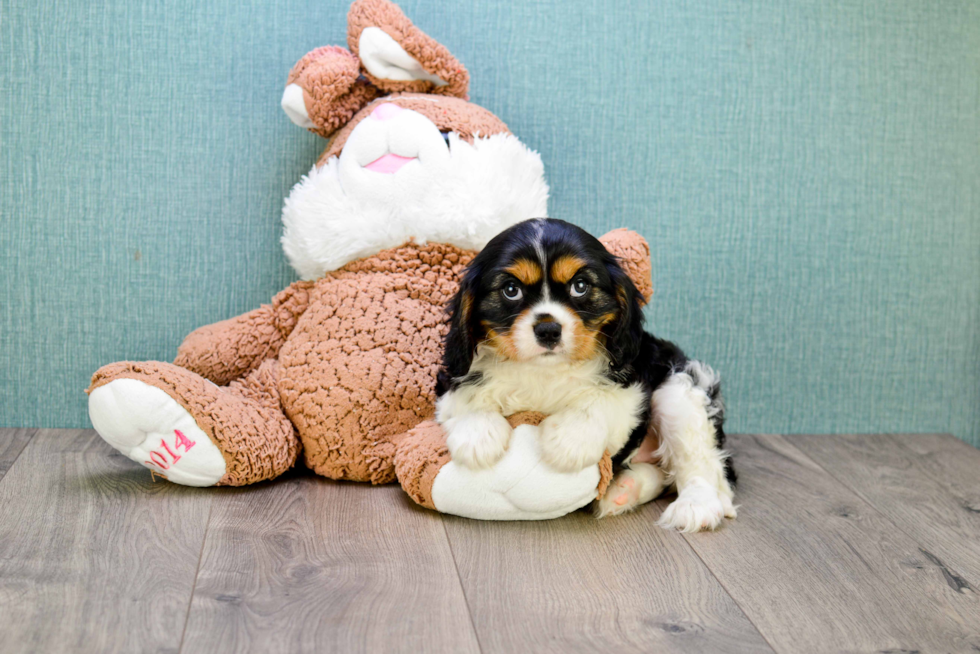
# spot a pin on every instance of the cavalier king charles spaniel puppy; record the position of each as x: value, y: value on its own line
x: 546, y: 320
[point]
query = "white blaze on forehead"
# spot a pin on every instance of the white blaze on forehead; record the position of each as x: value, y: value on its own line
x: 561, y: 313
x: 542, y: 255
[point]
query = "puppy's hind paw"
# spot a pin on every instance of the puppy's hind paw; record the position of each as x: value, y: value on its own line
x: 731, y: 511
x: 631, y: 488
x: 698, y: 507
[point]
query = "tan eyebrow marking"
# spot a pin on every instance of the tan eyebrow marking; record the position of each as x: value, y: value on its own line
x: 564, y: 268
x: 525, y: 270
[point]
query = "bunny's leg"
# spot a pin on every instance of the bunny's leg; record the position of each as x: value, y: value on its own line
x: 190, y: 431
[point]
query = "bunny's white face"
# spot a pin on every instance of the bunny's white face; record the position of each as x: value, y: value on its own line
x: 399, y: 176
x: 419, y: 164
x: 393, y: 147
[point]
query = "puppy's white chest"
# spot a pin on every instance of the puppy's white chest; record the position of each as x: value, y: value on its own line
x: 511, y: 387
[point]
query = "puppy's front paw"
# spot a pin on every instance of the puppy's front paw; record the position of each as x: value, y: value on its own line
x: 572, y: 441
x: 697, y: 507
x: 477, y: 440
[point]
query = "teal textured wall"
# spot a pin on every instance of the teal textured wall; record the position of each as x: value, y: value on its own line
x: 808, y: 174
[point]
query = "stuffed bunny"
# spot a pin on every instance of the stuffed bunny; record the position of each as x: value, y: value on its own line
x: 341, y: 366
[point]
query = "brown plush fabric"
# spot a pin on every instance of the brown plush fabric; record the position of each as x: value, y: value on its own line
x: 419, y: 457
x: 350, y: 360
x: 525, y: 418
x: 434, y: 57
x: 605, y: 474
x: 360, y: 366
x: 244, y: 419
x: 634, y: 255
x: 229, y: 349
x: 336, y: 87
x: 448, y: 114
x: 333, y: 89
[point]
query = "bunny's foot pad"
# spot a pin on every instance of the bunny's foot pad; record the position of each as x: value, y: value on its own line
x: 154, y: 430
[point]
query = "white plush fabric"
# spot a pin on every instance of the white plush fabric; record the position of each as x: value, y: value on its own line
x: 519, y: 487
x: 461, y: 194
x: 142, y: 421
x: 385, y: 59
x: 295, y: 106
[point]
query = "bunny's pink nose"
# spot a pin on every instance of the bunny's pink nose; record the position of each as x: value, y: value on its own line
x: 386, y: 111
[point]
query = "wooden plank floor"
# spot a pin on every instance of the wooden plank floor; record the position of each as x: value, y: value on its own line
x: 843, y: 544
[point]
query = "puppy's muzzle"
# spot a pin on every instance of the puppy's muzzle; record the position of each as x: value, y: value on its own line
x: 547, y: 332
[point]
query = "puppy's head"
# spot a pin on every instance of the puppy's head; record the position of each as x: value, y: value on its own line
x: 544, y: 291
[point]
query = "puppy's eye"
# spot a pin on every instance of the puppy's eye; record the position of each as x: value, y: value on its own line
x: 579, y: 288
x: 512, y: 292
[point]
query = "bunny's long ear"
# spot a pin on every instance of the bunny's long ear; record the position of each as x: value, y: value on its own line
x: 325, y: 89
x: 396, y: 56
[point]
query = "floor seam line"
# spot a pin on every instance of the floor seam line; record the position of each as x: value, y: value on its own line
x: 459, y: 580
x: 197, y: 572
x: 725, y: 588
x: 871, y: 504
x: 30, y: 439
x: 741, y: 608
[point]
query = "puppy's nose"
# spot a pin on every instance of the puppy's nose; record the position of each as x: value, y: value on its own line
x: 548, y: 333
x: 386, y: 111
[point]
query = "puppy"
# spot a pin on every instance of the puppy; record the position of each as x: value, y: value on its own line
x: 546, y: 320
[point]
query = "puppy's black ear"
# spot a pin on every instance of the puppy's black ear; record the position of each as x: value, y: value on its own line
x: 624, y: 335
x: 460, y: 343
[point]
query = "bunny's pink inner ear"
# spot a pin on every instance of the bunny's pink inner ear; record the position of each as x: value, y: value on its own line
x: 396, y: 56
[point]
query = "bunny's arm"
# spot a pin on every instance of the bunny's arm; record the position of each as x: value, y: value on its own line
x: 633, y: 253
x: 229, y: 349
